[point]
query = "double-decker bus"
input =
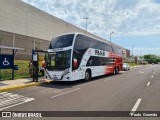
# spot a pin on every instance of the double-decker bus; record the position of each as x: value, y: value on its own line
x: 77, y: 56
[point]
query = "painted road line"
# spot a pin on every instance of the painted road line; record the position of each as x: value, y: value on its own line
x: 152, y: 76
x: 28, y: 100
x: 11, y: 101
x: 7, y: 94
x: 8, y: 100
x: 107, y: 79
x: 65, y: 93
x: 148, y: 83
x: 123, y: 71
x: 141, y: 72
x: 24, y: 86
x: 135, y: 106
x: 1, y: 93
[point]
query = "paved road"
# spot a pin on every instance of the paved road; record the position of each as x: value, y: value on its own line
x: 135, y: 90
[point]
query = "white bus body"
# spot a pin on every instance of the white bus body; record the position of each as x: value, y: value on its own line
x: 76, y: 60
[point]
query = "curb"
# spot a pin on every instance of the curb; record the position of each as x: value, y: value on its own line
x: 25, y: 86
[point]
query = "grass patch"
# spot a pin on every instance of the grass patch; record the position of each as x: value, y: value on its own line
x: 132, y: 64
x: 22, y: 71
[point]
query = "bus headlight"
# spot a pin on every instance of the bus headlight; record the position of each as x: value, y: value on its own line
x: 66, y: 71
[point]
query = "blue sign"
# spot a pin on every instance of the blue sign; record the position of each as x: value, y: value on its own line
x: 6, y: 61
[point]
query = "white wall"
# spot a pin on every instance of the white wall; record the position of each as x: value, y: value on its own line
x: 21, y: 18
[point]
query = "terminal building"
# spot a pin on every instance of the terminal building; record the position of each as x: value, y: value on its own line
x: 24, y: 26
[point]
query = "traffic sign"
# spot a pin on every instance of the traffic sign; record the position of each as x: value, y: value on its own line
x: 6, y: 61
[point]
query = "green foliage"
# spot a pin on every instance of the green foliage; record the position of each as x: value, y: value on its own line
x: 152, y: 58
x: 22, y: 71
x: 132, y: 64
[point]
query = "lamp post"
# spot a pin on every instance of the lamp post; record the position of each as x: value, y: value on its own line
x: 132, y: 56
x: 39, y: 44
x: 111, y: 36
x: 132, y: 50
x: 86, y: 22
x: 34, y: 44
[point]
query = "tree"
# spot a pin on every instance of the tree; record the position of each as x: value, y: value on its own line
x: 152, y: 58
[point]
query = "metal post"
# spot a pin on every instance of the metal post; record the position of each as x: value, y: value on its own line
x: 86, y: 22
x: 32, y: 64
x: 34, y: 43
x: 110, y: 40
x: 35, y: 66
x: 110, y: 37
x: 0, y: 53
x: 39, y: 44
x: 14, y: 40
x: 13, y: 65
x: 0, y: 69
x: 132, y: 56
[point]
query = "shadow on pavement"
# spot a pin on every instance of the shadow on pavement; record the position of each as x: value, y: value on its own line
x: 70, y: 84
x: 3, y: 84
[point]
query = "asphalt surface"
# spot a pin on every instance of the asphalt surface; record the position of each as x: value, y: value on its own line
x: 134, y: 90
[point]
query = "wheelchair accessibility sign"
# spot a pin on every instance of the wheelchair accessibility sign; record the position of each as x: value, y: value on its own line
x: 6, y: 61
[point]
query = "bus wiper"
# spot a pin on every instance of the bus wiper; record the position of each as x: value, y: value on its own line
x: 76, y: 51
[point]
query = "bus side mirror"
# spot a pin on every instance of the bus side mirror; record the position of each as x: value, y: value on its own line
x: 75, y: 63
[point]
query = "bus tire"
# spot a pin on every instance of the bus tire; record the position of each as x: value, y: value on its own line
x: 87, y: 75
x: 115, y: 71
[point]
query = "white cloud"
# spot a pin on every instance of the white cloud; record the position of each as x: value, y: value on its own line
x: 124, y: 17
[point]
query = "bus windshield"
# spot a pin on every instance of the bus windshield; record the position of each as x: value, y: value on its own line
x: 58, y: 60
x: 62, y: 41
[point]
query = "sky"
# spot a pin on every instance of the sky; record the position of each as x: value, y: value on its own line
x: 135, y: 23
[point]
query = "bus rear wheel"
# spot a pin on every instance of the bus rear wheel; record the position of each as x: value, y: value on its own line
x: 87, y: 75
x: 115, y: 71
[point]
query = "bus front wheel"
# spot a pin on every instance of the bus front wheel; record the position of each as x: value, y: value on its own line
x: 87, y: 75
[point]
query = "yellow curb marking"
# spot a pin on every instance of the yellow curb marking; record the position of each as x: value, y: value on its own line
x: 23, y: 86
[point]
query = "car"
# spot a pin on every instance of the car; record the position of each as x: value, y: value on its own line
x: 125, y: 66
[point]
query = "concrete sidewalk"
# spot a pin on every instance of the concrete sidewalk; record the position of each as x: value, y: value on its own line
x: 20, y: 83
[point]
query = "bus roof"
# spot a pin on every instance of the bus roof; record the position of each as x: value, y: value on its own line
x: 100, y: 39
x: 78, y: 33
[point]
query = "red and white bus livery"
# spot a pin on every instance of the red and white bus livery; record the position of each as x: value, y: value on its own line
x: 76, y: 56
